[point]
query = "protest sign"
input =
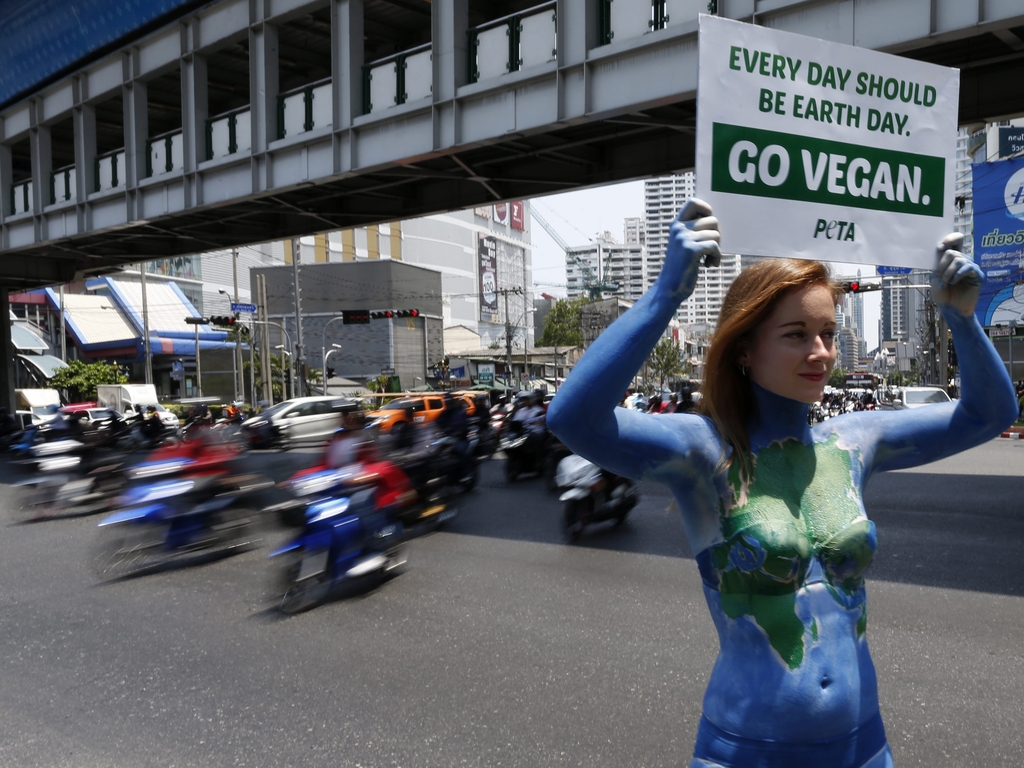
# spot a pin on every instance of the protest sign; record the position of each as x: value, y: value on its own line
x: 998, y: 191
x: 812, y: 149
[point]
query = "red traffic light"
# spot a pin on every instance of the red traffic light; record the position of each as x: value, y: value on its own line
x: 854, y: 287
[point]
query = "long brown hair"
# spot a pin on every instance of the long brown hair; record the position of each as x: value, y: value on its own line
x: 726, y: 395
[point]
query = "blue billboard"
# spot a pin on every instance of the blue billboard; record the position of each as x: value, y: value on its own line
x: 42, y: 39
x: 999, y: 239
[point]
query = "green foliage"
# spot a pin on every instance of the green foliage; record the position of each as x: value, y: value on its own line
x: 79, y: 379
x: 275, y: 376
x: 666, y: 361
x: 837, y: 378
x: 563, y: 326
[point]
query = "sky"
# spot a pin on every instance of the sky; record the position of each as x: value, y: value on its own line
x: 582, y: 214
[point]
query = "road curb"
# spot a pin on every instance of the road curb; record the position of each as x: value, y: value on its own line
x: 1011, y: 435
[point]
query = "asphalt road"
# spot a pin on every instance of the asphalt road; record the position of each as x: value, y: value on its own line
x: 500, y: 646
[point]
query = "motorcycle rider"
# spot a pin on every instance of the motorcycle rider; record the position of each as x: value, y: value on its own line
x: 152, y: 426
x: 531, y: 415
x: 454, y: 423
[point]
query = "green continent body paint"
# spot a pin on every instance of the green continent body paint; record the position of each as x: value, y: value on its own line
x: 801, y: 504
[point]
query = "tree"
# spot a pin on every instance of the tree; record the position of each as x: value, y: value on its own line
x: 79, y: 380
x: 666, y: 361
x: 563, y: 326
x: 838, y: 378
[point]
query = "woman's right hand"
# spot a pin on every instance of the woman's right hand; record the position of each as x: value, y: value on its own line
x: 694, y: 234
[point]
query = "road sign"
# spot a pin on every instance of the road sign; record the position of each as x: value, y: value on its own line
x: 998, y: 331
x: 524, y: 378
x: 893, y: 270
x: 250, y: 308
x: 387, y: 371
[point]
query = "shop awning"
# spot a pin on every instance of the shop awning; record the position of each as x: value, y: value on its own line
x: 25, y: 340
x: 47, y: 365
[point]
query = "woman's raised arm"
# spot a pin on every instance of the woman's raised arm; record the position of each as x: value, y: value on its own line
x: 987, y: 404
x: 584, y: 413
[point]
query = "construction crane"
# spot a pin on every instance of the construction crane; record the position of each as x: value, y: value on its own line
x: 591, y: 283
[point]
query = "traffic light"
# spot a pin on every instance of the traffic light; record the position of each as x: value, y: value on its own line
x: 223, y: 321
x: 856, y: 286
x: 383, y: 314
x: 355, y: 316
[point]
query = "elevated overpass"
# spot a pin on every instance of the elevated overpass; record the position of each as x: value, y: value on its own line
x: 245, y: 121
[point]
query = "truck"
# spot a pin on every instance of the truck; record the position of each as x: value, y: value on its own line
x: 36, y: 405
x: 133, y: 399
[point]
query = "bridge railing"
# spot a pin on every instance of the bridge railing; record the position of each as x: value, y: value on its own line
x: 62, y: 184
x: 396, y: 79
x: 164, y: 153
x: 303, y: 109
x: 21, y: 197
x: 513, y: 42
x: 623, y: 19
x: 110, y: 170
x: 228, y: 133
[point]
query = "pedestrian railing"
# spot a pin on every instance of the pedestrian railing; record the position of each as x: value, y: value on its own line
x: 109, y: 170
x: 164, y: 153
x: 228, y: 133
x: 303, y: 109
x: 623, y: 19
x: 513, y: 42
x: 62, y: 184
x: 21, y: 197
x: 396, y: 79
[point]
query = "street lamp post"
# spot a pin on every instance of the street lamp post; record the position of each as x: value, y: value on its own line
x: 323, y: 341
x: 336, y: 348
x: 1013, y: 330
x: 284, y: 335
x: 235, y: 355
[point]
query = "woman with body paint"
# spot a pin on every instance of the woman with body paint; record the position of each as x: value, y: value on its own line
x: 773, y: 507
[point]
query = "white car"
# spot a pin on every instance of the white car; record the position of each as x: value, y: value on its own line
x: 916, y: 397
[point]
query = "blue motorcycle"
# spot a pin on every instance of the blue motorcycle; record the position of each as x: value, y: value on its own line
x: 344, y: 537
x: 169, y: 515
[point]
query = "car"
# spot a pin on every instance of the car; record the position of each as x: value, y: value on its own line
x: 417, y: 409
x: 299, y: 420
x: 915, y: 397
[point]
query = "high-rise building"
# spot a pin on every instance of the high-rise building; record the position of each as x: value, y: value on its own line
x: 850, y: 349
x: 622, y: 264
x: 633, y: 229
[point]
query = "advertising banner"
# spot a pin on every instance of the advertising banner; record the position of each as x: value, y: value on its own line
x: 501, y: 213
x: 1011, y: 142
x: 485, y: 373
x: 999, y: 239
x: 518, y: 215
x: 488, y: 250
x: 812, y: 149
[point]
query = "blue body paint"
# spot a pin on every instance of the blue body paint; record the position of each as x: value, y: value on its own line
x: 782, y: 560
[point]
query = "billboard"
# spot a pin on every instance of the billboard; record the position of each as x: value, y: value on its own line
x: 1011, y: 141
x: 518, y: 215
x: 501, y: 213
x: 488, y: 251
x: 999, y: 239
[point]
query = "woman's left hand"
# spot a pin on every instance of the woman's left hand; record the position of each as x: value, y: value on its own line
x: 956, y: 282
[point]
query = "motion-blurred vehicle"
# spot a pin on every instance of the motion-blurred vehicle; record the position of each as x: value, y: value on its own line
x: 915, y: 397
x: 413, y: 410
x: 36, y: 406
x: 592, y: 495
x: 182, y: 501
x: 348, y: 532
x: 134, y: 399
x: 524, y: 450
x: 301, y: 420
x: 69, y: 477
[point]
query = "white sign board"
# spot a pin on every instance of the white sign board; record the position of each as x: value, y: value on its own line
x: 817, y: 150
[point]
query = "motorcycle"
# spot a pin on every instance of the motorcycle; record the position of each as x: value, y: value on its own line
x: 523, y: 451
x: 345, y: 536
x: 177, y: 507
x: 592, y: 495
x: 67, y: 479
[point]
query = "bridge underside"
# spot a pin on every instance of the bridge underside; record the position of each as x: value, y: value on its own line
x: 656, y: 141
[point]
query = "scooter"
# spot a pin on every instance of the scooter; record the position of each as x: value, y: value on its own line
x: 176, y: 508
x: 63, y: 483
x: 524, y: 452
x: 592, y: 495
x: 344, y: 537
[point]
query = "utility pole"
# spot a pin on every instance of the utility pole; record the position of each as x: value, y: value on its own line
x: 63, y: 329
x: 508, y: 328
x: 239, y: 366
x: 267, y: 372
x: 298, y: 386
x: 148, y: 362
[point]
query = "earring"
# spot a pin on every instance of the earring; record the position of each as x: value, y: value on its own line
x: 743, y: 370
